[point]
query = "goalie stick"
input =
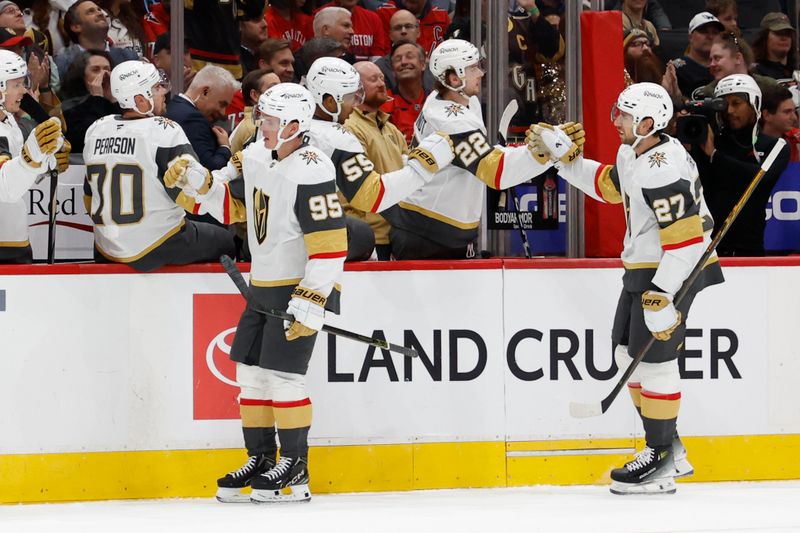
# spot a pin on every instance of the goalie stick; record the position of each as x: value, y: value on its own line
x: 586, y: 410
x: 236, y: 276
x: 502, y: 130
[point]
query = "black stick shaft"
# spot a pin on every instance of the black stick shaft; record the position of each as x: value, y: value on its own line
x: 51, y: 221
x: 238, y: 280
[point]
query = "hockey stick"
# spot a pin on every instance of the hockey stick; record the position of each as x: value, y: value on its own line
x: 502, y: 130
x: 51, y: 221
x: 586, y: 410
x: 236, y: 276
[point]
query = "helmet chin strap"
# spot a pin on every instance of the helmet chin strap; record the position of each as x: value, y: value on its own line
x: 334, y: 116
x: 459, y: 89
x: 281, y: 140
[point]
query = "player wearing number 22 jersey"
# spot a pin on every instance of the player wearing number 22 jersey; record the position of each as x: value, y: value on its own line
x: 137, y: 220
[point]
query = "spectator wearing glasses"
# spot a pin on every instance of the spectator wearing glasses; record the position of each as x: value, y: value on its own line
x: 641, y: 64
x: 403, y: 27
x: 774, y: 48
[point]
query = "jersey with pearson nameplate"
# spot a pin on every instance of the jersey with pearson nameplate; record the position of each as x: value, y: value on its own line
x: 133, y: 212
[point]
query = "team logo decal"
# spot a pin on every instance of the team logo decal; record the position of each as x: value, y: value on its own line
x: 341, y: 129
x: 309, y: 157
x: 453, y: 110
x: 657, y: 159
x: 164, y: 122
x: 260, y: 211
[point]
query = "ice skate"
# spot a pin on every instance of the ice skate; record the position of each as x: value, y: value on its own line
x: 229, y: 488
x: 651, y: 472
x: 683, y: 468
x: 287, y: 481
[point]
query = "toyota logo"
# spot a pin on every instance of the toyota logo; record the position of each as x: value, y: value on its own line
x: 224, y: 347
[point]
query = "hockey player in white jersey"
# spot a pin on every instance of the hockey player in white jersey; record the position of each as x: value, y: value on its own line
x: 137, y: 220
x: 296, y: 230
x: 668, y: 230
x: 21, y: 161
x: 440, y: 220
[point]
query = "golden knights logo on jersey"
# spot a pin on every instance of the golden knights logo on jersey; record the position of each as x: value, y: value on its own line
x: 260, y: 212
x: 309, y: 157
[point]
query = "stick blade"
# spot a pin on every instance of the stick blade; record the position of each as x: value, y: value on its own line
x: 585, y: 410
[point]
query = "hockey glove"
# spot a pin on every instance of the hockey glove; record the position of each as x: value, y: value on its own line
x: 62, y: 157
x: 544, y: 139
x: 308, y: 309
x: 575, y: 132
x: 660, y: 316
x: 185, y: 172
x: 44, y: 140
x: 432, y: 154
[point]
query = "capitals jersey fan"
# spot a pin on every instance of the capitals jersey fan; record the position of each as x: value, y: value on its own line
x: 133, y: 212
x: 369, y: 36
x: 668, y: 223
x: 433, y: 23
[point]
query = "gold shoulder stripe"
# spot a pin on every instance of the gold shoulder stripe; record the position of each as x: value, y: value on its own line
x: 605, y: 186
x: 488, y: 167
x: 681, y: 231
x: 369, y: 193
x: 237, y: 210
x: 326, y: 242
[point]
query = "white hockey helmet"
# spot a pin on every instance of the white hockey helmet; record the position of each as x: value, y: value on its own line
x: 288, y: 102
x: 12, y: 67
x: 132, y: 78
x: 742, y: 84
x: 645, y: 100
x: 336, y: 77
x: 455, y: 54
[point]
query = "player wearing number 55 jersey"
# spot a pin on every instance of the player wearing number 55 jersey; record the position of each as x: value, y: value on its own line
x: 668, y: 230
x: 137, y: 220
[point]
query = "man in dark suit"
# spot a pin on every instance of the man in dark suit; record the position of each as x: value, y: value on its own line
x: 196, y: 110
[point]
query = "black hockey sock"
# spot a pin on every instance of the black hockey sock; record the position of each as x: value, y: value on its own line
x: 293, y: 420
x: 258, y: 426
x: 260, y: 441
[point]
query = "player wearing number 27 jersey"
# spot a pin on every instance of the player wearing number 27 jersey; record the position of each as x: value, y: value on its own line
x: 137, y: 220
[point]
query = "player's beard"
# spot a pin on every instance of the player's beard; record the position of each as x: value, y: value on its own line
x: 647, y: 68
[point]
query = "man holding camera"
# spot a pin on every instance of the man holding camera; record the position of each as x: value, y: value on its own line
x: 668, y: 230
x: 729, y: 158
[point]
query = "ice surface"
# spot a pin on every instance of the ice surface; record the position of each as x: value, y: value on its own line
x: 701, y: 507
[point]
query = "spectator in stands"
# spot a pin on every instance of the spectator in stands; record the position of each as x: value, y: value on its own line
x: 774, y: 48
x: 369, y: 40
x: 779, y: 117
x: 203, y: 103
x: 212, y: 28
x: 155, y: 23
x: 276, y: 55
x: 87, y: 27
x: 254, y: 33
x: 47, y: 17
x: 652, y: 12
x: 633, y: 17
x: 691, y: 70
x: 336, y: 23
x: 285, y: 21
x: 408, y: 64
x: 254, y: 85
x: 403, y: 26
x: 86, y: 93
x: 727, y: 11
x: 727, y: 164
x: 38, y: 110
x: 382, y: 142
x: 162, y: 58
x: 125, y: 24
x: 641, y: 64
x: 433, y: 20
x: 11, y: 17
x: 730, y: 54
x: 314, y: 49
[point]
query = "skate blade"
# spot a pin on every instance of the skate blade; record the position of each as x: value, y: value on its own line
x: 657, y: 486
x: 231, y: 495
x: 683, y: 468
x: 296, y: 493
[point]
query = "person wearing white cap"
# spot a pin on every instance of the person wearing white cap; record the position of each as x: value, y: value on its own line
x: 692, y: 69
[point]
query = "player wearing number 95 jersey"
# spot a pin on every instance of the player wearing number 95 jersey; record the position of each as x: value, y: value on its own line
x: 668, y: 230
x: 137, y: 220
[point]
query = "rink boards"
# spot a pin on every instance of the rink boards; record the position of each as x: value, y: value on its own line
x: 117, y: 385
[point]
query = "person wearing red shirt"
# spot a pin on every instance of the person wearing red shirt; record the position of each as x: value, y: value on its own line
x: 154, y: 24
x: 779, y: 117
x: 285, y: 21
x: 433, y: 21
x: 369, y: 39
x: 408, y: 64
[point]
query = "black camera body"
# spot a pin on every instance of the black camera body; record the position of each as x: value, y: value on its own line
x: 693, y: 128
